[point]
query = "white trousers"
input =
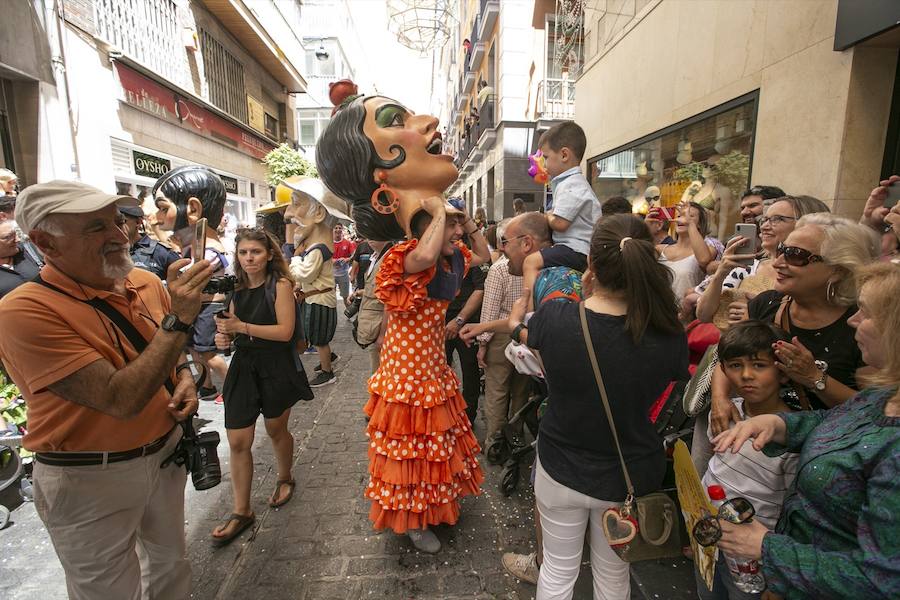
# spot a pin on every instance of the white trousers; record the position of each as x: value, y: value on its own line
x: 565, y: 515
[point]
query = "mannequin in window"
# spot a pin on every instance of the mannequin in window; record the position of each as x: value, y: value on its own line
x: 716, y: 199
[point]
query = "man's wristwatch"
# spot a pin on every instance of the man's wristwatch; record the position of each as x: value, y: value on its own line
x: 820, y: 383
x: 171, y: 322
x: 459, y: 321
x: 516, y: 334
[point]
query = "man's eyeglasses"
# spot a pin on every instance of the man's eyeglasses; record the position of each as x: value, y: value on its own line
x: 9, y: 237
x: 652, y: 198
x: 707, y: 531
x: 797, y: 257
x: 776, y: 220
x: 504, y: 241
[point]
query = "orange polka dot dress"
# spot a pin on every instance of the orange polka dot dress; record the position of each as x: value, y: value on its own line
x: 421, y: 446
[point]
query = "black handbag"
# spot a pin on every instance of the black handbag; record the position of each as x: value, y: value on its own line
x: 643, y: 528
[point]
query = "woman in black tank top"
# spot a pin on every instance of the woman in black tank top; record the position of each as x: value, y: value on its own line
x: 265, y: 375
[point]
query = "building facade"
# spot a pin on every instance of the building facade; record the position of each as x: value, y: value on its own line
x: 140, y: 87
x: 504, y: 86
x: 802, y: 95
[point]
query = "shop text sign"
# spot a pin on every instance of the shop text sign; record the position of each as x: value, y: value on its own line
x: 231, y: 184
x: 148, y: 165
x: 149, y: 96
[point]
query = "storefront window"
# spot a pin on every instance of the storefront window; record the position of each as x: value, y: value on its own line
x: 705, y: 159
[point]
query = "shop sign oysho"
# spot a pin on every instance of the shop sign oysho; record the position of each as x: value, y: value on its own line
x: 148, y: 165
x: 154, y: 98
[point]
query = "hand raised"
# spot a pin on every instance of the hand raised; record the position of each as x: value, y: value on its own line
x: 186, y: 288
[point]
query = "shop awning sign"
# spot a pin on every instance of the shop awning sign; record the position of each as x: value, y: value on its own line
x: 148, y: 165
x: 231, y: 184
x: 151, y: 97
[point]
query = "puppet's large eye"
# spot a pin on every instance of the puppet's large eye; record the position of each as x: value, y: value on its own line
x: 390, y: 116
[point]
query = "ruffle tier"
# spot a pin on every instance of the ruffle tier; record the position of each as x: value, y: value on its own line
x: 403, y: 292
x: 422, y: 452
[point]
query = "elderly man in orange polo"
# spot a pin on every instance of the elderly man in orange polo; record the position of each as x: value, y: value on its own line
x: 101, y: 420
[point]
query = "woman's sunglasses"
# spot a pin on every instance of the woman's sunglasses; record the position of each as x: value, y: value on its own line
x: 707, y: 531
x: 797, y: 257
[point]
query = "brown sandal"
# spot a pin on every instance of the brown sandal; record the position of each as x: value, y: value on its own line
x: 243, y: 522
x: 288, y: 482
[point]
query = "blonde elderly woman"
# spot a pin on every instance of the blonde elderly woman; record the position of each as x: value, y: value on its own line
x: 814, y: 296
x: 8, y: 182
x: 839, y: 531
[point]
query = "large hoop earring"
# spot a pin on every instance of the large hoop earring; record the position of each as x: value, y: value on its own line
x: 830, y: 292
x: 389, y: 204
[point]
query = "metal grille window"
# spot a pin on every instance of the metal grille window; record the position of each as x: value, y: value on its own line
x: 148, y: 32
x: 224, y: 76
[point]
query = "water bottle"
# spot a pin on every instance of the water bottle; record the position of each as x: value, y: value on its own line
x: 744, y: 571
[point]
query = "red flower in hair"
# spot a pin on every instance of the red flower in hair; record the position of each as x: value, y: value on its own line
x: 341, y: 91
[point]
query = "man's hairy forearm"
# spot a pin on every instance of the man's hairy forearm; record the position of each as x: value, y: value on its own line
x: 123, y: 393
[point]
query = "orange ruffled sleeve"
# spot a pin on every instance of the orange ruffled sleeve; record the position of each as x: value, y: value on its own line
x: 467, y: 256
x: 398, y: 290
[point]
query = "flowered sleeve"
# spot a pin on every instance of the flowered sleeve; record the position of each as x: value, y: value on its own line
x: 398, y: 290
x: 467, y: 257
x: 872, y: 570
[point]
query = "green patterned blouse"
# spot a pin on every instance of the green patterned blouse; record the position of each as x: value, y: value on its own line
x: 839, y: 531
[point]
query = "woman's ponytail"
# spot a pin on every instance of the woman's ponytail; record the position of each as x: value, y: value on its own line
x: 623, y: 258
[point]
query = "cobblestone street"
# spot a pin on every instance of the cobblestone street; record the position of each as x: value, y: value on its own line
x: 320, y: 545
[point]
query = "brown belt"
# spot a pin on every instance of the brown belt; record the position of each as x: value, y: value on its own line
x: 85, y: 459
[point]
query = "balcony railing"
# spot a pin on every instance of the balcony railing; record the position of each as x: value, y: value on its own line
x: 556, y: 99
x: 474, y: 128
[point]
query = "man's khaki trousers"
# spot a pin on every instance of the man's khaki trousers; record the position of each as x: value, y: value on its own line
x: 118, y: 529
x: 505, y: 389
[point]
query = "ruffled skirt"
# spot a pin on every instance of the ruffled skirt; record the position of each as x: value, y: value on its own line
x: 422, y: 452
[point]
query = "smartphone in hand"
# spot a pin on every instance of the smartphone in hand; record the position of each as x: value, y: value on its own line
x: 748, y: 231
x: 198, y: 245
x: 893, y: 195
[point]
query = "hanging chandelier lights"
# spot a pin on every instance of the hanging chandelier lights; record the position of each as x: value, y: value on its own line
x: 421, y: 25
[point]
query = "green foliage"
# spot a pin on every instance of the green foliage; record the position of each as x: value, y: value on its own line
x: 732, y: 171
x: 690, y: 172
x: 284, y: 162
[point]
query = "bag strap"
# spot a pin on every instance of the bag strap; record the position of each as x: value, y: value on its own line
x: 118, y: 319
x: 609, y: 417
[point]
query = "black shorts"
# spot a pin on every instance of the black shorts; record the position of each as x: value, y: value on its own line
x: 558, y: 255
x: 265, y: 382
x: 319, y: 323
x: 204, y: 339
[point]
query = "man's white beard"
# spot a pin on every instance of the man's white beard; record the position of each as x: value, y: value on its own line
x: 118, y: 269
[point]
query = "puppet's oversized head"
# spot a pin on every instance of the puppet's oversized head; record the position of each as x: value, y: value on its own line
x: 314, y: 210
x: 186, y: 194
x: 373, y: 140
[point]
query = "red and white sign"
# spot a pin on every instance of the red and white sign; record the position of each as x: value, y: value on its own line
x: 149, y: 96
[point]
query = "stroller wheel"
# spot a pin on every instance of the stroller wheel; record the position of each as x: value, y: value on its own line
x: 4, y: 516
x: 509, y: 478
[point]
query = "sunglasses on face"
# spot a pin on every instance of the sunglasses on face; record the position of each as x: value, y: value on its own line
x: 776, y: 220
x: 797, y: 257
x: 707, y: 531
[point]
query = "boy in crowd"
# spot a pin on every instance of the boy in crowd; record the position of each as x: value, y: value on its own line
x: 747, y: 357
x: 574, y: 208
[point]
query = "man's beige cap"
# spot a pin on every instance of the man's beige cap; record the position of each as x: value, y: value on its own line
x: 63, y: 197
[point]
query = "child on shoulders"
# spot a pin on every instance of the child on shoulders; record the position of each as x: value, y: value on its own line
x: 574, y: 208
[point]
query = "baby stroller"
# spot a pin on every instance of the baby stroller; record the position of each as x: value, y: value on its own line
x: 515, y: 448
x: 11, y: 470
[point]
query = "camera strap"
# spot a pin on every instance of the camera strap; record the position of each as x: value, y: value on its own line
x: 118, y: 319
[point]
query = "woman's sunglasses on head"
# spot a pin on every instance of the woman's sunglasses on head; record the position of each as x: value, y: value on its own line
x: 797, y: 257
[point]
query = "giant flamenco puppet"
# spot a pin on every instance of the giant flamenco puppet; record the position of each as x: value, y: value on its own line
x: 388, y: 163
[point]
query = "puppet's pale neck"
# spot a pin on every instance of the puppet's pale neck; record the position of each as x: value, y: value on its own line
x: 320, y: 233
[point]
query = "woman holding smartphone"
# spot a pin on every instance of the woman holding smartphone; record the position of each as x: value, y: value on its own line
x: 264, y: 376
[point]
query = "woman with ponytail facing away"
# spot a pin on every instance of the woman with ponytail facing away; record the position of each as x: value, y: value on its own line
x: 640, y: 347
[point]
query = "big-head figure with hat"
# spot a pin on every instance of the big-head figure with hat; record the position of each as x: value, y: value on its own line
x: 388, y: 162
x: 314, y: 211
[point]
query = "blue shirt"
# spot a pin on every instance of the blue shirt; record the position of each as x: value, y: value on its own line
x: 574, y: 201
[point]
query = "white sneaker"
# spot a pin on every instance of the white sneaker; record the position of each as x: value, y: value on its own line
x: 424, y: 540
x: 522, y: 566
